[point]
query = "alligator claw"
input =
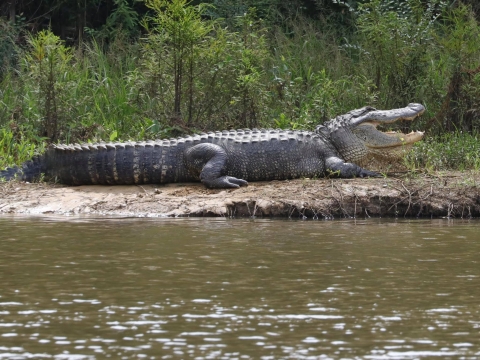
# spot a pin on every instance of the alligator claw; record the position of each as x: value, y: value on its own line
x: 367, y: 173
x: 236, y: 181
x: 225, y: 182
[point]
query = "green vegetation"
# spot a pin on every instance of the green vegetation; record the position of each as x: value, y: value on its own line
x: 460, y: 151
x: 175, y: 67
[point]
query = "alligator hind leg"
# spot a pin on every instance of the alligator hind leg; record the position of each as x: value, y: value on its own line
x: 209, y: 161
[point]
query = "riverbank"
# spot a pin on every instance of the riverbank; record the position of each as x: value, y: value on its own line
x: 446, y: 194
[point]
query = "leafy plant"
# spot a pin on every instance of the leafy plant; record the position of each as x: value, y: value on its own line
x: 47, y: 64
x: 17, y: 148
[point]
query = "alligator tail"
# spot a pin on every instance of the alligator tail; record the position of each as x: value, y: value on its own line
x: 10, y: 173
x: 30, y: 170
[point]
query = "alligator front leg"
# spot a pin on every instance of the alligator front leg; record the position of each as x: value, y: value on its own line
x: 209, y: 160
x: 342, y: 169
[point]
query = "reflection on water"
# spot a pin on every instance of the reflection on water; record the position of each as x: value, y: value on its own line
x: 184, y: 288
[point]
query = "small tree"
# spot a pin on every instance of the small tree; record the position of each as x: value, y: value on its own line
x: 180, y: 33
x: 47, y: 63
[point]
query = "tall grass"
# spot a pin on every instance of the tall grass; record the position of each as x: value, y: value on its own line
x: 313, y: 77
x: 450, y: 151
x: 102, y: 103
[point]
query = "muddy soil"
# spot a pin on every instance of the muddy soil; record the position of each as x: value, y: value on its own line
x: 439, y: 195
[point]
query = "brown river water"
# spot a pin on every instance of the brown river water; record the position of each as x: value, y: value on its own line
x: 94, y: 288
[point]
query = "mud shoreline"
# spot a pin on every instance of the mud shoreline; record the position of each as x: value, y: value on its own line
x: 449, y: 194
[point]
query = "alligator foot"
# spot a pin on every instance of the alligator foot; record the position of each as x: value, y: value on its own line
x: 337, y: 167
x: 367, y: 173
x: 224, y: 182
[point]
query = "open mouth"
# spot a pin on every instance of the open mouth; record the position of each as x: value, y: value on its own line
x: 376, y: 139
x: 366, y: 128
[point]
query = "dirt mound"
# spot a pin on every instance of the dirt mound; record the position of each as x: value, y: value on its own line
x: 445, y: 194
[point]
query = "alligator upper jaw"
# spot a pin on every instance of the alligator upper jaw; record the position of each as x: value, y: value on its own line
x: 375, y: 117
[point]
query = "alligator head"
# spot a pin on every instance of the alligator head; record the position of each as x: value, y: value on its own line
x: 356, y: 138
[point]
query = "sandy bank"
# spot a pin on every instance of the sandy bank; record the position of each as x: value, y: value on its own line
x: 441, y: 195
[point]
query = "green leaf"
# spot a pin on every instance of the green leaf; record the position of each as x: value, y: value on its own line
x: 113, y: 135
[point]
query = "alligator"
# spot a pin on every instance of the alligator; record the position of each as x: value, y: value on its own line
x: 229, y: 159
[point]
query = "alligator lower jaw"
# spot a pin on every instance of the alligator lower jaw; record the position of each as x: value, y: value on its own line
x: 388, y: 157
x: 409, y: 138
x: 403, y: 140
